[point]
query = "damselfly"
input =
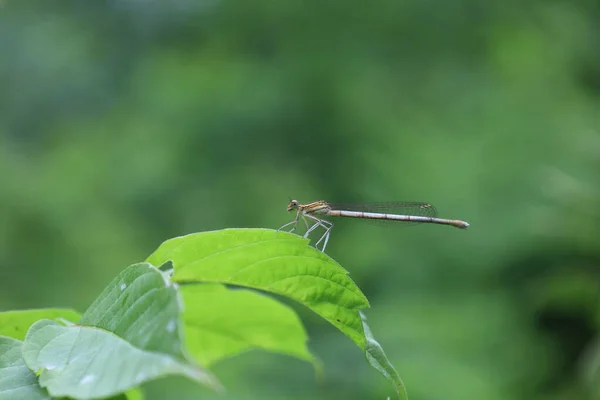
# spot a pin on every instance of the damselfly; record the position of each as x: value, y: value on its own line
x: 414, y: 212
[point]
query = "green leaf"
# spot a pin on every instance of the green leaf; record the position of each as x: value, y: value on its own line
x: 272, y: 261
x: 132, y: 394
x: 135, y: 394
x: 17, y: 382
x: 141, y: 306
x: 377, y: 358
x: 91, y: 363
x: 15, y: 324
x: 220, y: 323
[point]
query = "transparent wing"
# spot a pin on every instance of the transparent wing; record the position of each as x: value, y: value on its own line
x: 403, y: 208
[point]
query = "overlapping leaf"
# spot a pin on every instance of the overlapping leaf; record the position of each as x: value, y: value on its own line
x: 91, y: 363
x: 271, y: 261
x: 220, y: 322
x: 15, y: 324
x: 141, y: 306
x: 17, y: 382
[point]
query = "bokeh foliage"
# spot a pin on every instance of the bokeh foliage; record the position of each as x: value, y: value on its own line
x: 124, y: 123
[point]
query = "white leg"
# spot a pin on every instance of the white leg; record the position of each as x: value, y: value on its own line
x: 325, y: 237
x: 327, y: 225
x: 312, y: 228
x: 305, y: 223
x: 318, y: 222
x: 286, y: 225
x: 324, y: 224
x: 294, y: 222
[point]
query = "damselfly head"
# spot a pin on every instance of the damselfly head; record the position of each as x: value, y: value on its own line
x: 293, y: 205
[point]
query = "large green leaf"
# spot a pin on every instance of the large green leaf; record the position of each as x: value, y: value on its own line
x: 272, y: 261
x: 91, y: 363
x: 377, y: 358
x: 275, y: 262
x: 17, y: 382
x: 141, y: 306
x: 15, y: 324
x: 220, y: 322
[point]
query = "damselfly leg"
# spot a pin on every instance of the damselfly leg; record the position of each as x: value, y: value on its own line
x: 315, y: 223
x: 327, y: 225
x: 294, y: 223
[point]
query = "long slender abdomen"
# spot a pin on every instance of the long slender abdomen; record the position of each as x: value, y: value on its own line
x: 395, y: 217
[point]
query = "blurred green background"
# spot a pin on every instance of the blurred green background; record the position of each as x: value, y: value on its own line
x: 127, y: 122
